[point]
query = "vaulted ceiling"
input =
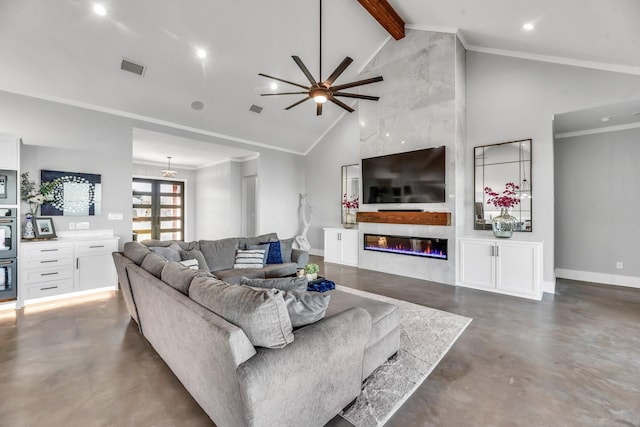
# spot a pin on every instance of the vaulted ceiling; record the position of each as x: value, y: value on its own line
x: 63, y: 50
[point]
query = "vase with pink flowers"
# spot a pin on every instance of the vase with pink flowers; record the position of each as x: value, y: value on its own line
x: 348, y: 203
x: 503, y: 225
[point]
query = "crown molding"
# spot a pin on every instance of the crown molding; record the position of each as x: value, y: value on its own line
x: 597, y: 130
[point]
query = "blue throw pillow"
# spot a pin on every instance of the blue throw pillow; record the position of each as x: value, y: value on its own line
x: 275, y: 256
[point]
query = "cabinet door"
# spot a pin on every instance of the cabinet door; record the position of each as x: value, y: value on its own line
x: 9, y: 149
x: 94, y: 265
x: 332, y: 246
x: 517, y: 268
x: 350, y: 248
x: 477, y: 264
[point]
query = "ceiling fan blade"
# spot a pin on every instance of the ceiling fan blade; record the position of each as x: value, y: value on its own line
x: 283, y: 93
x: 358, y: 83
x: 319, y: 109
x: 283, y: 81
x: 305, y: 70
x: 355, y: 95
x: 297, y: 103
x: 342, y: 104
x: 339, y: 70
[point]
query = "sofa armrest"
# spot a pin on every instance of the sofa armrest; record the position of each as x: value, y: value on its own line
x: 310, y: 380
x: 300, y: 257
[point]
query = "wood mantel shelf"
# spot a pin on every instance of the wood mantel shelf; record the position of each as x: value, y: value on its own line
x: 420, y: 218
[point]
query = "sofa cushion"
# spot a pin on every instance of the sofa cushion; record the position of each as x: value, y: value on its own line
x: 219, y: 254
x: 262, y: 314
x: 282, y: 283
x: 136, y: 252
x: 245, y: 242
x: 275, y: 256
x: 234, y: 275
x: 154, y: 264
x: 280, y: 270
x: 249, y: 258
x: 286, y: 246
x: 171, y: 252
x: 178, y: 276
x: 305, y: 307
x: 197, y: 255
x: 384, y: 316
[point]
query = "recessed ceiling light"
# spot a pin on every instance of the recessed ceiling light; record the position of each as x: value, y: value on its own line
x: 197, y: 105
x: 274, y: 86
x: 605, y: 119
x: 99, y: 9
x: 402, y: 142
x: 201, y: 53
x: 387, y: 134
x: 528, y: 26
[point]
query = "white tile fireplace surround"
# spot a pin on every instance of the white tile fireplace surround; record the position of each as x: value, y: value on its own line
x: 422, y: 105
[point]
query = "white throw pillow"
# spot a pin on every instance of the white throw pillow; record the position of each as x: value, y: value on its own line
x: 249, y: 258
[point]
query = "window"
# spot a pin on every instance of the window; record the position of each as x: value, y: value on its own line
x: 158, y: 209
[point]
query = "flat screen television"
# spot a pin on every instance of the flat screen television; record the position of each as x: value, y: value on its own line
x: 412, y: 177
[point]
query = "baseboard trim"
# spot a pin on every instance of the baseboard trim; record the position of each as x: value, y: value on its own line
x: 318, y: 252
x: 549, y: 287
x: 606, y: 279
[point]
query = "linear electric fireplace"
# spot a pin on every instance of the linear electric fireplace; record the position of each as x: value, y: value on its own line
x: 427, y: 247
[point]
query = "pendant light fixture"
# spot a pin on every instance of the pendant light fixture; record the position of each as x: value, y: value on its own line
x: 168, y: 172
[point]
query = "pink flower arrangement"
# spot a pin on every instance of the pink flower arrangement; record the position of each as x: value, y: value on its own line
x: 352, y: 202
x: 507, y: 199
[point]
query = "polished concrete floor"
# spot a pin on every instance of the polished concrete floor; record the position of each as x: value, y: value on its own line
x: 572, y: 359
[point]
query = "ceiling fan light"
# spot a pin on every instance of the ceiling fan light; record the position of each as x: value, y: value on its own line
x: 320, y: 99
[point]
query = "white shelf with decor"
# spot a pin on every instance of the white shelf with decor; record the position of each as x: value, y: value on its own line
x: 78, y: 262
x: 341, y: 246
x: 503, y: 266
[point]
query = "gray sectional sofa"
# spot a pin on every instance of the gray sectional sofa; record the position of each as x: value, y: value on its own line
x: 304, y: 381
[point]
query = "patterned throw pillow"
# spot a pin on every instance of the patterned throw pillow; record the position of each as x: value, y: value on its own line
x: 190, y: 263
x: 249, y: 258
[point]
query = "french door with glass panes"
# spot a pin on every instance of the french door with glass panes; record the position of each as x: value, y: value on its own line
x: 158, y: 209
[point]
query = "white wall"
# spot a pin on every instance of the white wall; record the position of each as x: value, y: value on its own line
x: 89, y: 141
x: 341, y: 146
x: 189, y: 178
x: 510, y: 99
x: 597, y: 203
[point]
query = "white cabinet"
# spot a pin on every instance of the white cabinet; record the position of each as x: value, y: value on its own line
x: 9, y: 148
x: 50, y: 268
x: 503, y: 266
x: 341, y: 246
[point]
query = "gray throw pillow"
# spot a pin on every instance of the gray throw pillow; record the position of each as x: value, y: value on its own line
x: 282, y: 283
x: 136, y: 252
x: 179, y: 277
x: 264, y: 247
x: 154, y: 263
x: 261, y: 314
x: 171, y: 253
x: 286, y: 246
x: 305, y: 308
x: 197, y: 255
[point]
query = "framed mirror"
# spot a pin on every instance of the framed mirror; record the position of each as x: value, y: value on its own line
x: 496, y: 165
x: 350, y: 188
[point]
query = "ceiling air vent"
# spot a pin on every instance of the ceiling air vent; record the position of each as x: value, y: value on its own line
x: 132, y: 67
x: 255, y: 109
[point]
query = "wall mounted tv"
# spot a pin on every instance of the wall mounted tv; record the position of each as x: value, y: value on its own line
x: 412, y: 177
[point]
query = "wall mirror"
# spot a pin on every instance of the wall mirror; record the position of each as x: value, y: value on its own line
x: 495, y: 165
x: 350, y: 186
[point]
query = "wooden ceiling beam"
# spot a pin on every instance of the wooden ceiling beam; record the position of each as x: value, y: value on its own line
x: 384, y: 13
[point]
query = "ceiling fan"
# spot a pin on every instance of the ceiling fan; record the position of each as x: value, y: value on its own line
x: 322, y: 91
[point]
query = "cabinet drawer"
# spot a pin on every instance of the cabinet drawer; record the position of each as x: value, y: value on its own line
x: 46, y: 262
x: 48, y: 289
x: 45, y: 250
x: 46, y: 275
x: 96, y: 247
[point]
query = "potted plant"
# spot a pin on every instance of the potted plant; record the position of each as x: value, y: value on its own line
x: 311, y: 271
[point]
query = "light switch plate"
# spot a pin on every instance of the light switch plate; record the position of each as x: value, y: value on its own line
x: 72, y: 226
x: 82, y: 225
x: 115, y: 216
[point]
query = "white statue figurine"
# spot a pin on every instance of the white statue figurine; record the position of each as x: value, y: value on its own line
x: 301, y: 240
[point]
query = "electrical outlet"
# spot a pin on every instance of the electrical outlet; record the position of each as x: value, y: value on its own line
x: 619, y: 265
x: 72, y: 226
x: 82, y: 225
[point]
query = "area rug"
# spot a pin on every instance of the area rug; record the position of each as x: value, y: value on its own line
x: 426, y: 335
